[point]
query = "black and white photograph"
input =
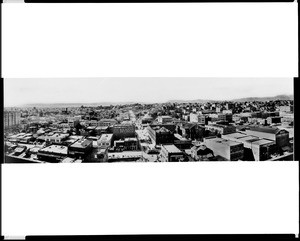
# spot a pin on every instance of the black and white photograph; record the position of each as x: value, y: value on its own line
x: 148, y: 120
x: 145, y: 120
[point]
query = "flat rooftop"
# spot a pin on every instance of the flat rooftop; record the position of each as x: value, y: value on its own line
x: 236, y: 135
x: 68, y: 160
x: 81, y: 143
x: 105, y: 137
x: 222, y: 141
x: 249, y: 138
x: 263, y: 142
x: 172, y: 149
x: 56, y: 149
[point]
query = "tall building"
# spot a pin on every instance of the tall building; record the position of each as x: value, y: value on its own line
x: 11, y: 118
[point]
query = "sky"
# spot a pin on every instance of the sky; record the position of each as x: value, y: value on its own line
x: 21, y: 91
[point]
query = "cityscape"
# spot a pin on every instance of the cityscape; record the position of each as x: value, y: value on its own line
x: 187, y: 130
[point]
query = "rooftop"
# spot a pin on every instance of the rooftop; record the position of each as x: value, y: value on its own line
x: 172, y: 149
x: 105, y: 137
x: 262, y: 142
x: 270, y: 130
x: 249, y: 138
x: 236, y: 135
x: 81, y: 143
x: 56, y: 149
x: 222, y: 141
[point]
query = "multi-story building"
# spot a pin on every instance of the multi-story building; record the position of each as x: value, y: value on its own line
x: 81, y: 148
x: 221, y: 129
x: 198, y: 118
x: 164, y: 119
x: 201, y: 153
x: 122, y: 131
x: 105, y: 141
x: 274, y: 120
x: 281, y: 137
x: 170, y: 153
x: 11, y: 118
x: 255, y: 148
x: 232, y: 151
x: 53, y: 153
x: 107, y: 122
x: 160, y: 135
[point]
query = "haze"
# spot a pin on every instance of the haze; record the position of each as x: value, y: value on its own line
x: 21, y: 91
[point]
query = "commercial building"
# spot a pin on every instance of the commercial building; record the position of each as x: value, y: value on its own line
x: 255, y: 148
x: 201, y: 153
x: 274, y: 120
x: 160, y: 135
x: 107, y: 122
x: 102, y: 155
x: 11, y: 118
x: 99, y: 130
x: 221, y: 117
x: 230, y: 150
x: 56, y: 137
x: 147, y: 119
x: 128, y: 156
x: 164, y: 119
x: 105, y: 141
x: 131, y: 144
x: 171, y: 127
x: 221, y: 129
x: 281, y: 137
x: 122, y: 131
x: 190, y: 130
x: 200, y: 119
x: 81, y: 148
x: 181, y: 142
x: 170, y: 153
x: 53, y: 153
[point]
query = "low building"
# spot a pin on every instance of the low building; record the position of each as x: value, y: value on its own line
x: 221, y: 129
x: 274, y: 120
x: 53, y: 153
x: 107, y: 122
x: 164, y: 119
x: 147, y: 119
x: 56, y: 137
x: 201, y: 153
x: 102, y: 130
x: 232, y: 151
x: 102, y: 155
x: 81, y: 148
x: 170, y: 153
x: 105, y: 141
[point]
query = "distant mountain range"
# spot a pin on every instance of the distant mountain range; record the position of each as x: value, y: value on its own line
x: 65, y: 105
x: 246, y: 99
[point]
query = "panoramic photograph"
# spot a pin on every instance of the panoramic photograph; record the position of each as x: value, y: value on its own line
x: 148, y: 119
